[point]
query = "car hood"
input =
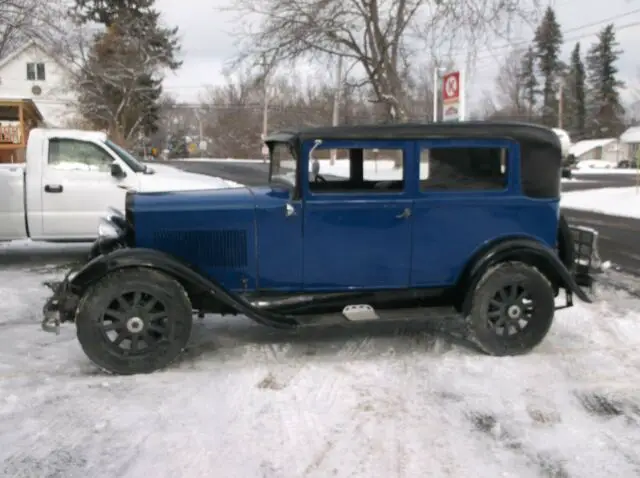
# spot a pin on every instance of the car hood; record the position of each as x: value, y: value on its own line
x: 195, y: 201
x: 173, y: 179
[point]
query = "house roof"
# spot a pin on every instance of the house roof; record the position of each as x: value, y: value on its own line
x: 631, y: 135
x: 31, y: 43
x: 582, y: 147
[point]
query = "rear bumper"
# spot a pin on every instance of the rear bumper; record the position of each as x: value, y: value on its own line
x: 587, y: 262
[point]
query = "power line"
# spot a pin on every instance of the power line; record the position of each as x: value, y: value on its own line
x: 508, y: 46
x: 566, y: 39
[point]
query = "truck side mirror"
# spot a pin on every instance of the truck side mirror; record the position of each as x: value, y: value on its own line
x: 117, y: 171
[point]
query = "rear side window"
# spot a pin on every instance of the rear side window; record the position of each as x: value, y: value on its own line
x: 463, y: 169
x: 540, y: 171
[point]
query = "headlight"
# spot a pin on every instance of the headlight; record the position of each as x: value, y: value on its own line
x: 106, y: 229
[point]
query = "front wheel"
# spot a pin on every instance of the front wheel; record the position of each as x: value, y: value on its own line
x: 512, y: 309
x: 134, y: 321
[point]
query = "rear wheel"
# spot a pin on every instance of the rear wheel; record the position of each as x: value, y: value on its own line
x: 134, y: 321
x: 512, y: 309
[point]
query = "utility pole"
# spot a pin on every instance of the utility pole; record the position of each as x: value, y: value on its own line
x: 267, y: 66
x: 435, y: 94
x: 337, y: 96
x: 561, y: 104
x: 265, y: 108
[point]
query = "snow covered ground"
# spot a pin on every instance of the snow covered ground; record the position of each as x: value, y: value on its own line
x: 623, y: 202
x: 585, y: 170
x: 247, y: 401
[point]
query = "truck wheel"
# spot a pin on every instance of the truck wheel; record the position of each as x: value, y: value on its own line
x: 134, y: 321
x: 512, y: 309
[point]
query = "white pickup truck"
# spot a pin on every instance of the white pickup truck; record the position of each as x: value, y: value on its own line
x: 70, y: 178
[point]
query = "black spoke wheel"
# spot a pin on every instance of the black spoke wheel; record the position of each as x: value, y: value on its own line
x: 134, y: 321
x: 512, y: 311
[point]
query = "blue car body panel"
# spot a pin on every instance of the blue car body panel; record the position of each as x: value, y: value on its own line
x: 243, y: 238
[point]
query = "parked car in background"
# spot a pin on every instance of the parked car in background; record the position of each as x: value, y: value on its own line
x: 469, y: 230
x: 68, y: 180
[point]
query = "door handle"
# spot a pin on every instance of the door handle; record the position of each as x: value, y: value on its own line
x: 53, y: 188
x: 405, y: 214
x: 290, y: 210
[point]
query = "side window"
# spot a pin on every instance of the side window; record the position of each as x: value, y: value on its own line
x: 31, y: 71
x: 74, y: 155
x: 463, y: 169
x: 357, y: 170
x: 40, y: 73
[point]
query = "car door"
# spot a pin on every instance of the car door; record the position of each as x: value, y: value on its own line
x: 464, y: 200
x: 78, y: 187
x: 357, y: 230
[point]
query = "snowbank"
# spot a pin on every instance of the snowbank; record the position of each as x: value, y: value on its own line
x: 248, y: 401
x: 623, y: 202
x: 601, y: 170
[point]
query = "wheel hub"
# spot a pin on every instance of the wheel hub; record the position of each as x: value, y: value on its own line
x: 514, y: 312
x: 135, y: 325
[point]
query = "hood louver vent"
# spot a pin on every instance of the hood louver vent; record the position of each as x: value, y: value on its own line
x: 223, y: 249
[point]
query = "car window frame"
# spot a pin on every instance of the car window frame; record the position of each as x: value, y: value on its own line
x: 407, y: 147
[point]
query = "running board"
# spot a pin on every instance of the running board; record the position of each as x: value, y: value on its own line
x: 362, y: 313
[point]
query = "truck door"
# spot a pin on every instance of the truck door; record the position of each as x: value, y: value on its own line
x: 77, y: 187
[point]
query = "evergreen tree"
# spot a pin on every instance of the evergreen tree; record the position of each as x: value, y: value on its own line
x: 548, y: 42
x: 163, y: 42
x: 120, y: 84
x: 529, y: 82
x: 575, y: 98
x: 606, y: 112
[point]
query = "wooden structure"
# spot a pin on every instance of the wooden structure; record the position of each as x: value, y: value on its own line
x: 17, y: 118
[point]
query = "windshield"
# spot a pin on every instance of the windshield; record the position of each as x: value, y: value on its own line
x: 125, y: 156
x: 283, y: 162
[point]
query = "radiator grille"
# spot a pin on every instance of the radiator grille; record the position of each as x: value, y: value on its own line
x: 222, y: 248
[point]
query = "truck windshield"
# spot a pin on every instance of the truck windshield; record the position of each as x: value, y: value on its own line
x: 127, y: 157
x: 283, y: 163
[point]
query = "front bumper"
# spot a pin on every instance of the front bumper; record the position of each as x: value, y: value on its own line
x: 61, y: 306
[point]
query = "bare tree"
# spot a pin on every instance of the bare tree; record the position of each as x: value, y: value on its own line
x: 508, y: 100
x: 116, y: 76
x: 24, y: 20
x: 234, y: 110
x: 377, y: 37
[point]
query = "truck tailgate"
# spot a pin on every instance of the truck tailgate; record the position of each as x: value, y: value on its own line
x: 12, y: 202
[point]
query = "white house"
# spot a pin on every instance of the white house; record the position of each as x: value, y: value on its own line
x: 631, y: 137
x: 606, y: 149
x: 31, y: 72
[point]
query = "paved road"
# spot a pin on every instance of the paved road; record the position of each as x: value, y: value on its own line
x: 254, y: 174
x: 597, y: 181
x: 619, y: 237
x: 245, y: 173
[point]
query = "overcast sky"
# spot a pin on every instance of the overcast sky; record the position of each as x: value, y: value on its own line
x: 207, y: 44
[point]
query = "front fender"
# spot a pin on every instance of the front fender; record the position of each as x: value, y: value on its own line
x: 191, y: 280
x: 523, y: 250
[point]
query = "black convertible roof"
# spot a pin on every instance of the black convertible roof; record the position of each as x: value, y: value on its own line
x: 521, y: 132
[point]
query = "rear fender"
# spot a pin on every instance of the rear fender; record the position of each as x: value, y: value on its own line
x: 523, y: 250
x: 189, y: 278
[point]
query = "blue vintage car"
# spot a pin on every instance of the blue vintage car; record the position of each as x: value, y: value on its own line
x: 466, y: 225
